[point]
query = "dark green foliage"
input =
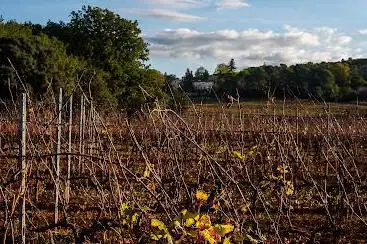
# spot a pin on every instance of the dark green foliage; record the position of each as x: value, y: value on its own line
x: 188, y: 80
x: 201, y: 75
x: 41, y: 62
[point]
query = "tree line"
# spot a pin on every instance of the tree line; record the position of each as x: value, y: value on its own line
x: 330, y: 81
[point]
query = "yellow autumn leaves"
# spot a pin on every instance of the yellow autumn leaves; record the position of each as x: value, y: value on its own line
x: 201, y: 196
x: 200, y: 227
x: 192, y: 226
x: 281, y: 172
x: 238, y: 155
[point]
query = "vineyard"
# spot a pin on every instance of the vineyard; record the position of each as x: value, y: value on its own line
x: 256, y: 173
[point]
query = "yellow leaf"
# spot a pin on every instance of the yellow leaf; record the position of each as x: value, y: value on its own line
x: 210, y: 235
x: 146, y: 171
x: 189, y: 222
x: 188, y: 218
x: 123, y: 209
x: 252, y: 150
x: 134, y: 218
x: 289, y: 188
x: 188, y: 215
x: 159, y: 224
x: 238, y: 155
x: 227, y: 240
x: 155, y: 237
x: 221, y: 149
x: 201, y: 195
x: 124, y: 206
x: 176, y: 223
x: 224, y: 229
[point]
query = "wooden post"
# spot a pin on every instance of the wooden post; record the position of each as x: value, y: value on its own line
x: 81, y: 134
x: 328, y: 121
x: 67, y: 190
x: 58, y: 149
x: 327, y: 153
x: 22, y: 165
x: 93, y: 124
x: 274, y: 123
x: 297, y: 124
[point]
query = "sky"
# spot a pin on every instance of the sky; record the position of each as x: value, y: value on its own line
x: 192, y: 33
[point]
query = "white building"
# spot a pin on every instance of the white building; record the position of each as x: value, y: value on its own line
x: 203, y: 86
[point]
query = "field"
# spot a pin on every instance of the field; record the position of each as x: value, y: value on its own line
x: 257, y: 173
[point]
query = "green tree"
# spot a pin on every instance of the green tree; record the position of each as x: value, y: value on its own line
x: 356, y: 79
x: 342, y: 73
x: 221, y: 69
x: 112, y: 44
x: 201, y: 75
x: 325, y: 80
x: 188, y: 80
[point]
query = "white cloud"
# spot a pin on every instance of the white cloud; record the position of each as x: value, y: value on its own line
x: 363, y: 32
x: 252, y: 46
x: 190, y: 4
x: 168, y: 14
x: 224, y: 4
x: 179, y: 3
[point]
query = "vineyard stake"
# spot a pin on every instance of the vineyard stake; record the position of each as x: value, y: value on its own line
x: 58, y: 149
x: 22, y: 165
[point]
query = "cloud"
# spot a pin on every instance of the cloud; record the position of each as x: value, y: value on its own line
x: 168, y: 14
x: 231, y: 4
x: 363, y: 32
x: 252, y: 46
x: 190, y: 4
x: 179, y: 3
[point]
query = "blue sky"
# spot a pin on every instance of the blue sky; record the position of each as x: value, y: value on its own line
x: 191, y: 33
